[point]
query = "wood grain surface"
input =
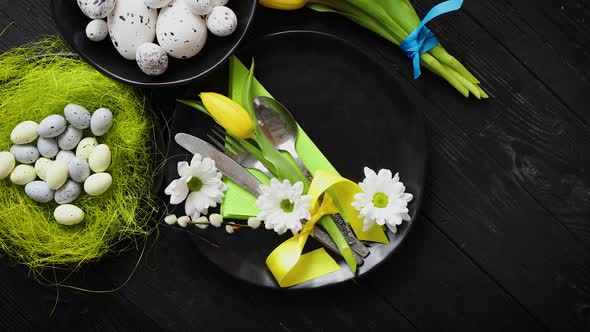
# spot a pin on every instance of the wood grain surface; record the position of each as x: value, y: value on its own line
x: 503, y: 237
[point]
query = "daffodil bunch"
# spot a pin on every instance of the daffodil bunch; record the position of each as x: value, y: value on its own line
x: 397, y: 21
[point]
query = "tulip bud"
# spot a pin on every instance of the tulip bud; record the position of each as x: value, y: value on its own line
x: 229, y: 114
x: 283, y: 4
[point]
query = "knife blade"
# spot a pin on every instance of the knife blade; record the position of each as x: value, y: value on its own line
x: 234, y: 171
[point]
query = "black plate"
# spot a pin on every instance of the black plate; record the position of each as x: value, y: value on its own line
x: 103, y: 56
x: 350, y: 106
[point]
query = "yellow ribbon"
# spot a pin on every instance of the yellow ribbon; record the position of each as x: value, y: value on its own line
x: 288, y: 264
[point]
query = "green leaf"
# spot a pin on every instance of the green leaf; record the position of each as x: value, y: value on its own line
x: 194, y: 104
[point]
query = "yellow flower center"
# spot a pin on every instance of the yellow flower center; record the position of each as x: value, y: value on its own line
x: 286, y: 205
x: 380, y: 200
x: 195, y: 184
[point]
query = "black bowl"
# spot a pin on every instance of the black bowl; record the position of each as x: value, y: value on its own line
x: 71, y: 23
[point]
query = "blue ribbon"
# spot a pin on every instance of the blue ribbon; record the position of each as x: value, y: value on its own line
x: 422, y: 40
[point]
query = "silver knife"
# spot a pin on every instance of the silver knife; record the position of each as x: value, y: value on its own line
x: 234, y: 171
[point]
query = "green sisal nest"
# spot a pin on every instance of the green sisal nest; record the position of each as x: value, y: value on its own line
x: 35, y: 81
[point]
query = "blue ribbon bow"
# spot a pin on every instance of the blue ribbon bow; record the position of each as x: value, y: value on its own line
x: 422, y: 40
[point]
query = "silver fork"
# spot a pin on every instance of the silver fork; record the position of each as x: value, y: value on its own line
x: 243, y: 157
x: 237, y: 152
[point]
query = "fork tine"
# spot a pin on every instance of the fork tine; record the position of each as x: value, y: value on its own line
x: 221, y: 146
x: 235, y: 144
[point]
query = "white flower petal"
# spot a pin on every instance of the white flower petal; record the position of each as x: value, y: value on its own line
x: 183, y: 169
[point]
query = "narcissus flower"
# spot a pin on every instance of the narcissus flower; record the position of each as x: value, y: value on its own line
x: 229, y: 114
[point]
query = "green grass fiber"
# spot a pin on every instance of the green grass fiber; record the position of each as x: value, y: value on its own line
x: 34, y: 85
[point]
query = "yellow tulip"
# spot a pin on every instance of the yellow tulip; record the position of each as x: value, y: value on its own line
x: 229, y: 114
x: 284, y: 4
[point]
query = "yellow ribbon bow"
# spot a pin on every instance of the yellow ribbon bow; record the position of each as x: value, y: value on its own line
x: 288, y: 264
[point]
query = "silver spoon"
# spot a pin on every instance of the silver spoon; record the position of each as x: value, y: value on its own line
x: 281, y: 129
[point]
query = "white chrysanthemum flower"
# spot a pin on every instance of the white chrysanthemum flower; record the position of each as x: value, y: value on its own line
x: 383, y: 200
x: 201, y: 182
x: 282, y: 206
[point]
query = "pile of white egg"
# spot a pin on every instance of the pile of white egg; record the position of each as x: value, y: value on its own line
x: 62, y: 173
x: 180, y: 27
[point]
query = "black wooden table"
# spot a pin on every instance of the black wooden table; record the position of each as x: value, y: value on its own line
x: 501, y: 242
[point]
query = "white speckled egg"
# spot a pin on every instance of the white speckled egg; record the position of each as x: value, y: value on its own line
x: 152, y: 59
x: 100, y: 158
x: 222, y: 21
x: 181, y: 33
x: 78, y: 116
x: 23, y: 174
x: 52, y: 126
x: 96, y: 8
x: 200, y: 7
x: 68, y: 214
x: 39, y: 191
x: 70, y: 138
x: 97, y: 184
x: 47, y: 147
x: 78, y: 169
x: 85, y: 147
x: 56, y: 174
x: 68, y: 192
x: 97, y: 30
x: 7, y: 163
x: 41, y: 166
x: 24, y: 132
x: 219, y: 2
x: 65, y: 155
x: 156, y: 3
x: 101, y: 121
x: 25, y: 154
x: 131, y: 24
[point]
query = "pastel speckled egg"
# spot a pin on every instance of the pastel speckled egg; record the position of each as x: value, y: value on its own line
x: 97, y: 30
x: 25, y: 154
x: 39, y: 191
x: 52, y: 126
x: 222, y: 21
x: 101, y: 121
x: 85, y: 147
x: 47, y: 147
x: 200, y: 7
x: 79, y: 169
x: 68, y: 192
x: 41, y: 166
x: 23, y: 174
x: 96, y: 8
x: 25, y: 132
x: 100, y: 158
x: 70, y: 138
x: 152, y: 59
x: 7, y: 163
x: 131, y: 24
x: 78, y: 116
x: 57, y: 174
x: 156, y: 3
x: 97, y: 184
x: 219, y: 2
x: 68, y: 214
x: 65, y: 156
x: 181, y: 33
